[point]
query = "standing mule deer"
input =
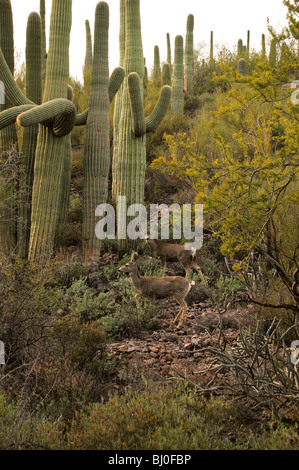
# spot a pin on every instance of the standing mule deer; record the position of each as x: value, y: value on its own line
x: 174, y: 252
x: 157, y: 288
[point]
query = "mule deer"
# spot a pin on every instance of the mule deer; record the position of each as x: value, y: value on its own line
x: 157, y: 288
x: 174, y: 252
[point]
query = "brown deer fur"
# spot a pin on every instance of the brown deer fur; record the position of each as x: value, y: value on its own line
x: 157, y: 288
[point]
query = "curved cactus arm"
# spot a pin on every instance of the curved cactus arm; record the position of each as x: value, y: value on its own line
x: 116, y: 79
x: 154, y: 119
x: 9, y: 116
x: 61, y: 112
x: 81, y: 119
x: 138, y: 121
x: 140, y: 124
x: 12, y: 91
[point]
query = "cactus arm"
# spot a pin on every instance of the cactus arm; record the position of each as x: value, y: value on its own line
x: 81, y: 118
x: 61, y: 112
x: 141, y: 125
x: 12, y: 91
x: 166, y: 74
x: 138, y: 121
x: 9, y: 116
x: 154, y: 119
x: 116, y: 79
x: 115, y: 82
x: 88, y: 55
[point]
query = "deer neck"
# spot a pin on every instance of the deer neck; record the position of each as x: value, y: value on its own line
x: 135, y: 277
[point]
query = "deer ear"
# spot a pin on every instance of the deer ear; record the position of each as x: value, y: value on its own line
x: 134, y: 256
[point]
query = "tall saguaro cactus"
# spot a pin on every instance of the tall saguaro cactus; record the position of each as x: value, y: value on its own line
x: 97, y: 142
x: 133, y: 125
x: 88, y: 55
x: 42, y: 12
x: 169, y: 58
x: 212, y: 49
x: 33, y: 93
x: 177, y: 106
x: 50, y: 151
x: 118, y: 98
x: 8, y: 136
x: 273, y: 54
x: 157, y: 67
x: 189, y: 60
x: 263, y: 46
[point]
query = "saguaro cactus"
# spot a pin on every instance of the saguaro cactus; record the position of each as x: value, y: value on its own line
x: 50, y: 151
x: 133, y: 125
x: 212, y: 49
x: 88, y: 55
x: 118, y: 98
x: 97, y: 143
x: 169, y: 57
x: 33, y: 93
x: 248, y: 42
x: 242, y: 66
x: 240, y: 48
x: 189, y: 60
x: 273, y: 54
x: 8, y: 136
x: 57, y: 116
x: 177, y: 105
x: 42, y: 12
x: 166, y: 74
x: 157, y: 67
x: 263, y: 45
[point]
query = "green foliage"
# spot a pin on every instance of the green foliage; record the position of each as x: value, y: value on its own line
x: 245, y: 179
x: 170, y: 418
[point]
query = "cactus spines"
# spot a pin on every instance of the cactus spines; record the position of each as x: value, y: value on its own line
x: 177, y: 105
x: 242, y: 67
x: 34, y: 93
x: 157, y: 67
x: 189, y: 60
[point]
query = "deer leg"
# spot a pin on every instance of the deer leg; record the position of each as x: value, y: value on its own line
x: 176, y: 319
x: 180, y: 316
x: 137, y: 297
x: 162, y: 263
x: 198, y: 269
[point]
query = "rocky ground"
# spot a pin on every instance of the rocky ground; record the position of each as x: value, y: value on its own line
x: 170, y: 352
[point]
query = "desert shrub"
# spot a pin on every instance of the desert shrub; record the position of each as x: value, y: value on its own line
x: 169, y: 418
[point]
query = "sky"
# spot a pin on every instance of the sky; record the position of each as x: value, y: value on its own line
x: 228, y: 19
